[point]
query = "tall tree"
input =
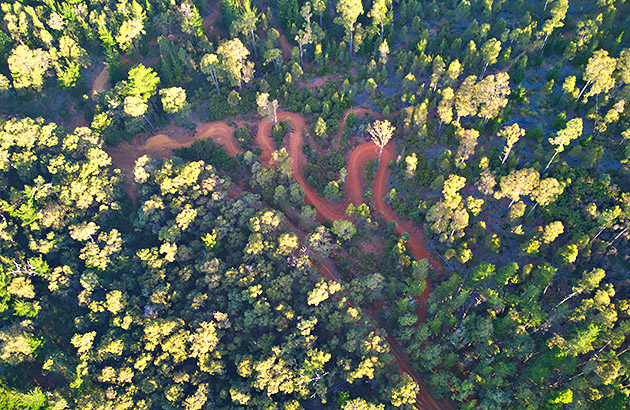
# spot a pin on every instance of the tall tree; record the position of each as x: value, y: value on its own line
x: 467, y: 143
x: 319, y: 7
x: 518, y: 183
x: 598, y: 74
x: 490, y: 51
x: 211, y: 67
x: 28, y: 67
x: 246, y: 23
x: 558, y: 13
x: 466, y: 102
x: 564, y: 137
x: 191, y: 21
x: 173, y: 99
x: 349, y: 11
x: 511, y: 134
x: 491, y: 95
x: 381, y: 14
x: 381, y: 132
x: 267, y: 108
x: 546, y: 192
x: 143, y: 82
x: 304, y: 37
x: 233, y: 59
x: 129, y: 33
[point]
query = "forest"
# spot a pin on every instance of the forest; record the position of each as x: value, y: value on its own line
x: 313, y: 204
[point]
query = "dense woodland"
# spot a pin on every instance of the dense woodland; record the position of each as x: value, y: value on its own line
x: 200, y: 279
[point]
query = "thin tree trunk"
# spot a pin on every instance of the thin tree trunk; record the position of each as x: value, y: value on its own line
x: 254, y: 43
x: 550, y: 161
x: 147, y: 120
x: 351, y: 35
x: 598, y: 233
x: 506, y: 154
x: 511, y: 203
x: 565, y: 299
x: 378, y: 164
x: 620, y: 233
x: 583, y: 88
x: 532, y: 210
x: 483, y: 71
x: 215, y: 80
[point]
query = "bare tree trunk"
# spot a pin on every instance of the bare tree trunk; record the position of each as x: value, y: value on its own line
x: 598, y: 233
x: 254, y: 43
x: 483, y: 71
x: 351, y: 33
x: 532, y: 210
x: 583, y: 88
x: 506, y: 155
x: 550, y: 161
x: 620, y: 233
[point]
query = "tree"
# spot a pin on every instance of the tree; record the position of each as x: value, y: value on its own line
x: 518, y: 183
x: 233, y: 61
x: 267, y: 108
x: 467, y: 143
x: 564, y: 137
x: 319, y: 7
x: 511, y: 134
x: 361, y: 404
x: 599, y: 72
x: 134, y: 106
x: 451, y: 189
x: 381, y: 14
x: 143, y: 82
x: 320, y: 127
x: 445, y: 107
x: 350, y: 10
x: 491, y: 95
x: 381, y: 132
x: 246, y: 23
x: 344, y: 229
x: 320, y: 241
x: 191, y: 21
x: 490, y: 51
x: 305, y: 37
x: 466, y: 102
x: 589, y: 282
x: 28, y: 67
x: 405, y: 391
x: 173, y: 99
x: 383, y: 51
x: 129, y: 32
x: 606, y: 218
x: 546, y: 192
x: 552, y: 231
x: 558, y: 13
x: 211, y: 67
x: 623, y: 67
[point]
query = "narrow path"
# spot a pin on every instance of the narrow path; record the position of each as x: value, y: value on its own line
x: 161, y: 146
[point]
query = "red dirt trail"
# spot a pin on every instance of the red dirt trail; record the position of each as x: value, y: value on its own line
x: 162, y: 145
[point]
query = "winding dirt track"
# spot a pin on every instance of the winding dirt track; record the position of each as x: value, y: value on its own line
x: 162, y: 145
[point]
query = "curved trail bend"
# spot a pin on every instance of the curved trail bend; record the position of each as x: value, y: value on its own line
x: 162, y: 145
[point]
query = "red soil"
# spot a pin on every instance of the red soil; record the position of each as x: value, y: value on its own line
x: 285, y: 46
x: 161, y: 145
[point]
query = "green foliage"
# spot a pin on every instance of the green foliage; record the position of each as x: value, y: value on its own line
x: 207, y: 150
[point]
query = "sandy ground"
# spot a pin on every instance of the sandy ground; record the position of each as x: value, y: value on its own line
x: 161, y: 145
x: 101, y: 82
